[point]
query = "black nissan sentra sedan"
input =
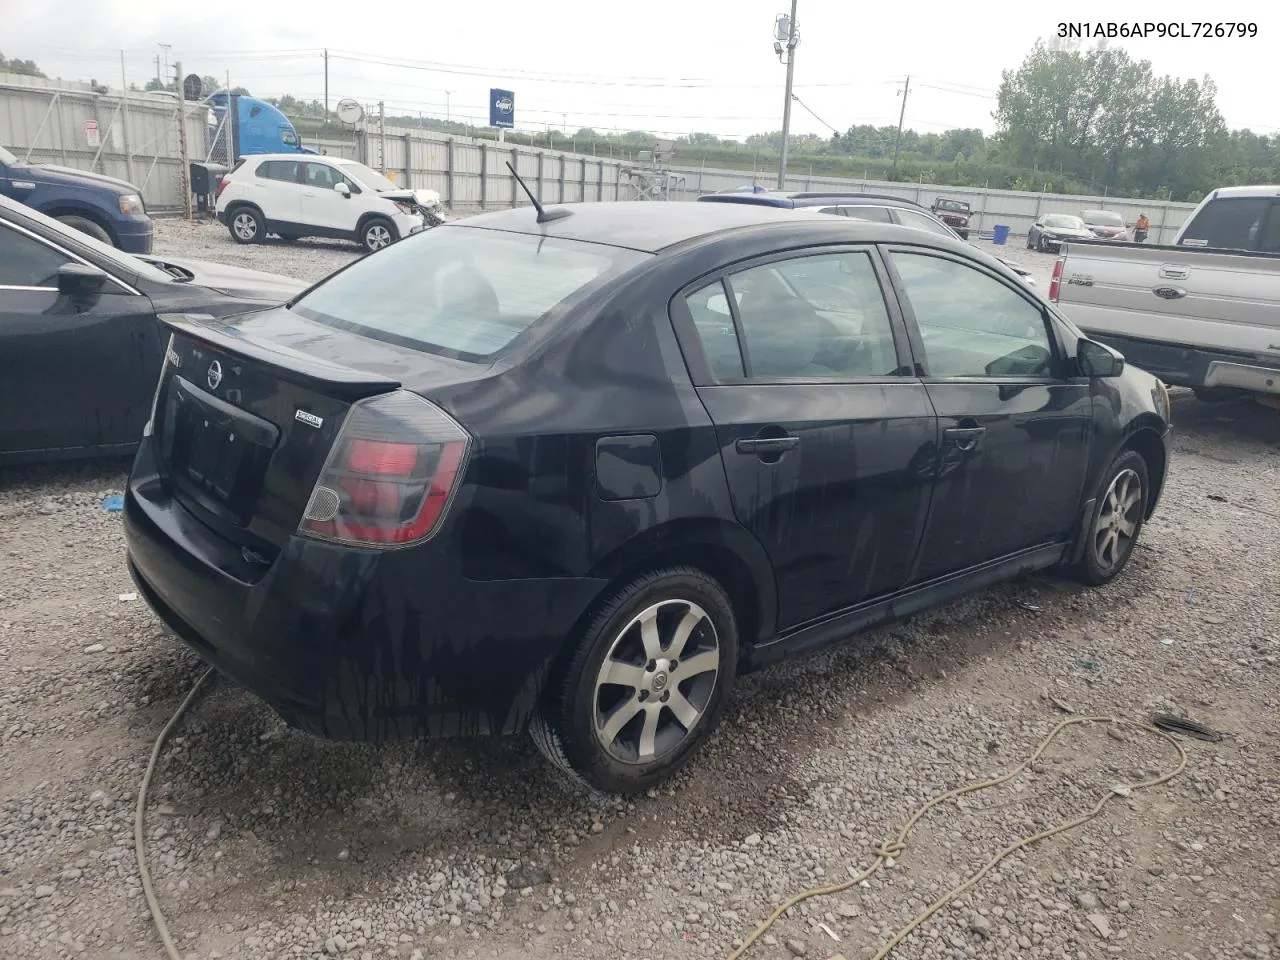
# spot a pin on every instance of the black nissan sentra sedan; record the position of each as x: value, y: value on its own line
x: 574, y: 472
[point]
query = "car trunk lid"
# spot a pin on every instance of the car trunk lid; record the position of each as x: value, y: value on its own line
x: 247, y: 411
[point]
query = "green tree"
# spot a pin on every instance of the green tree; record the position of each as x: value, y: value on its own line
x: 27, y: 68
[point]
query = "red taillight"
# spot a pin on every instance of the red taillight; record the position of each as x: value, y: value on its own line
x: 390, y: 475
x: 222, y: 185
x: 1056, y: 279
x: 375, y: 456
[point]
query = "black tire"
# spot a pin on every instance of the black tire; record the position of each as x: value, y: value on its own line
x: 376, y: 233
x: 246, y: 225
x: 1216, y: 395
x: 87, y: 226
x: 567, y: 726
x: 1099, y: 563
x: 1030, y: 241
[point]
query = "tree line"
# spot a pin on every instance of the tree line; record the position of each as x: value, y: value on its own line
x: 1068, y: 120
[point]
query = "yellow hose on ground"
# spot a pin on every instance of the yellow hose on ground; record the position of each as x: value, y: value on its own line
x: 897, y: 845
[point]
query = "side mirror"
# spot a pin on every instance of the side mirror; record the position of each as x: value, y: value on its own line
x: 343, y: 189
x: 1098, y: 360
x: 81, y: 283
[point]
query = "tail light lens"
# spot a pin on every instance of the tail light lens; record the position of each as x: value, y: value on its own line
x: 390, y: 476
x: 222, y: 185
x: 1056, y: 279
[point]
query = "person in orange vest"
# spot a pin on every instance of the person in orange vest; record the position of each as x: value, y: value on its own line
x: 1140, y: 228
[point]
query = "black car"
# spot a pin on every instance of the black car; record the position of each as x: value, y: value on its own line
x: 80, y: 346
x: 572, y: 472
x: 1051, y: 231
x: 881, y: 208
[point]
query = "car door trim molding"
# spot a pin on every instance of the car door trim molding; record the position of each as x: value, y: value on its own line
x: 67, y: 253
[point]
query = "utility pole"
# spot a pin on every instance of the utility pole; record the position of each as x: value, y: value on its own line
x: 902, y: 114
x: 447, y: 115
x: 792, y: 40
x: 326, y: 85
x: 165, y: 47
x: 184, y: 177
x: 159, y: 78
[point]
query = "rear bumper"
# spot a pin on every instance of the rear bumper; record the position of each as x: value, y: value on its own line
x: 1183, y: 366
x: 351, y: 644
x: 135, y: 236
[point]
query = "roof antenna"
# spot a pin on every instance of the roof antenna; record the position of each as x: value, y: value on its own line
x: 543, y: 215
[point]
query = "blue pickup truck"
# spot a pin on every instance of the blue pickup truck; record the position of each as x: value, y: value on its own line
x: 106, y: 209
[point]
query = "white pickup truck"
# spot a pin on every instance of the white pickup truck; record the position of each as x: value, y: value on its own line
x: 1202, y: 313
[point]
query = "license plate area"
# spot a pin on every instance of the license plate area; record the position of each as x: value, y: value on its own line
x: 216, y: 453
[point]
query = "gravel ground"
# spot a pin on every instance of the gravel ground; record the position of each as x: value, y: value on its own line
x: 267, y: 843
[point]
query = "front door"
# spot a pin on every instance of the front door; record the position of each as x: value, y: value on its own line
x: 1015, y: 421
x: 827, y: 441
x: 69, y: 378
x: 322, y: 205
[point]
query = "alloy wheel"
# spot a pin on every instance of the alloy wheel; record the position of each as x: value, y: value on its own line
x: 245, y: 226
x: 656, y: 681
x: 377, y: 237
x: 1118, y: 520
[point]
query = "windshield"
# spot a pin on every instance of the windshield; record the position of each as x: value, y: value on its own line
x: 952, y: 206
x: 460, y: 291
x: 367, y: 177
x: 1066, y: 223
x: 1103, y: 218
x: 7, y: 158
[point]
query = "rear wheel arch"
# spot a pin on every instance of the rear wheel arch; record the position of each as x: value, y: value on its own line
x: 723, y: 551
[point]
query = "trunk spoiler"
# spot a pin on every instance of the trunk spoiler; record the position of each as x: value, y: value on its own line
x: 330, y: 378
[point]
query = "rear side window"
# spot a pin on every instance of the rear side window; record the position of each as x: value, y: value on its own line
x: 909, y: 218
x: 286, y: 170
x: 714, y: 322
x: 820, y: 317
x: 460, y: 291
x: 1233, y: 223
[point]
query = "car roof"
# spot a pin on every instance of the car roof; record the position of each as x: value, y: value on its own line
x: 652, y: 227
x: 778, y: 198
x: 1254, y: 190
x: 293, y: 155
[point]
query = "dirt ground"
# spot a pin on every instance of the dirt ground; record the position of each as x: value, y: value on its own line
x: 267, y: 843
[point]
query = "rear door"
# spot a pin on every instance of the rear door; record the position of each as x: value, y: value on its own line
x: 69, y: 377
x: 275, y: 188
x: 322, y: 205
x: 827, y: 441
x: 1014, y: 419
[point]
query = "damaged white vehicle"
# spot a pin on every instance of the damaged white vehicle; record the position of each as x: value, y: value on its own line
x: 295, y: 196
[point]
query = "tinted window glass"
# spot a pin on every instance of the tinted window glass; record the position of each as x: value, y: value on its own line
x: 973, y: 325
x: 832, y: 210
x: 877, y: 214
x: 821, y: 317
x: 322, y: 176
x: 1067, y: 223
x: 286, y: 170
x: 1231, y: 223
x: 714, y: 323
x: 459, y: 291
x: 25, y: 262
x: 1270, y: 237
x: 909, y: 218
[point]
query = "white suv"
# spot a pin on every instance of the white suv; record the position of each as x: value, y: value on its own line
x: 294, y: 195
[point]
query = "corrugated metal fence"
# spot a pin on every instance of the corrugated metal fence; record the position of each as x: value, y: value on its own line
x: 130, y: 137
x: 137, y: 140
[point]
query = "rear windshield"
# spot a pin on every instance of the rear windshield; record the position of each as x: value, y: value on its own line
x: 461, y: 291
x: 1103, y: 218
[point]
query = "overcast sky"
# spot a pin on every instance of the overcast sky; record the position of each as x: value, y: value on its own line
x: 670, y: 68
